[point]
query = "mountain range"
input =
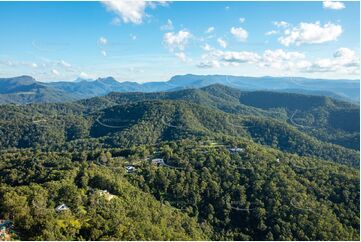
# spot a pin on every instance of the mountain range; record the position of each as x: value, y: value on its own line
x: 25, y: 89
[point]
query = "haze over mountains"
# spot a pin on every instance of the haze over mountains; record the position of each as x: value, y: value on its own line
x: 25, y: 89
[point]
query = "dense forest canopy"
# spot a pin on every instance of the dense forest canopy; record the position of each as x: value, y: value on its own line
x: 213, y: 163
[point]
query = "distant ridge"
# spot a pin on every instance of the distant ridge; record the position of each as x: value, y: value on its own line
x: 25, y: 89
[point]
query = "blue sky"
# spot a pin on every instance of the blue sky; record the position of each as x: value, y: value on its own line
x: 152, y: 41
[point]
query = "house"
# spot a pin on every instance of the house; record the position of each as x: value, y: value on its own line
x: 130, y: 169
x: 236, y: 150
x: 108, y: 196
x: 158, y: 161
x: 61, y: 207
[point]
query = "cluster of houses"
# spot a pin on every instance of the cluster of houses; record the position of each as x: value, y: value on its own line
x: 63, y: 207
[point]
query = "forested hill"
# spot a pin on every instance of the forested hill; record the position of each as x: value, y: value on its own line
x: 101, y: 202
x: 203, y: 191
x: 149, y: 122
x: 324, y: 118
x: 213, y: 163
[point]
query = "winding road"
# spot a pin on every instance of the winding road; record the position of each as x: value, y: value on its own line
x: 169, y: 125
x: 109, y: 126
x: 296, y: 124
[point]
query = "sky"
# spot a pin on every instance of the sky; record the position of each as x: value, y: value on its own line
x: 134, y: 40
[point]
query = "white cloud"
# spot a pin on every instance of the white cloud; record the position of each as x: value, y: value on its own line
x: 333, y: 5
x: 129, y: 11
x: 279, y: 54
x: 34, y: 65
x: 182, y: 56
x: 240, y: 33
x: 64, y: 64
x: 271, y: 32
x: 275, y: 59
x: 242, y: 20
x: 222, y: 43
x: 209, y: 30
x: 103, y: 41
x: 176, y: 40
x: 344, y: 53
x: 281, y: 24
x: 104, y: 53
x: 168, y: 26
x: 282, y: 60
x: 85, y: 75
x: 209, y: 64
x: 55, y: 72
x: 311, y: 33
x: 343, y: 61
x: 207, y: 47
x: 239, y: 57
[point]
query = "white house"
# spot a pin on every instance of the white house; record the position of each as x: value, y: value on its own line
x: 158, y: 161
x: 130, y: 169
x: 108, y: 196
x: 236, y: 150
x: 61, y: 207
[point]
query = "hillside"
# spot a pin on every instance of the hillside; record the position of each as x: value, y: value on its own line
x: 211, y: 163
x: 204, y: 191
x: 324, y: 118
x: 149, y: 122
x: 31, y: 187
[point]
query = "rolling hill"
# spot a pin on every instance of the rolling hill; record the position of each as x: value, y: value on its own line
x: 325, y: 118
x: 149, y: 122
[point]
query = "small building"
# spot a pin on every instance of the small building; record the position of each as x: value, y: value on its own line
x: 61, y: 207
x: 108, y: 196
x: 130, y: 169
x: 234, y: 150
x: 158, y: 161
x: 278, y: 160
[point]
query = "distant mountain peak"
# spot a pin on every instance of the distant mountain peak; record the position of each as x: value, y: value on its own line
x: 79, y: 79
x: 26, y: 76
x: 108, y: 79
x: 24, y: 79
